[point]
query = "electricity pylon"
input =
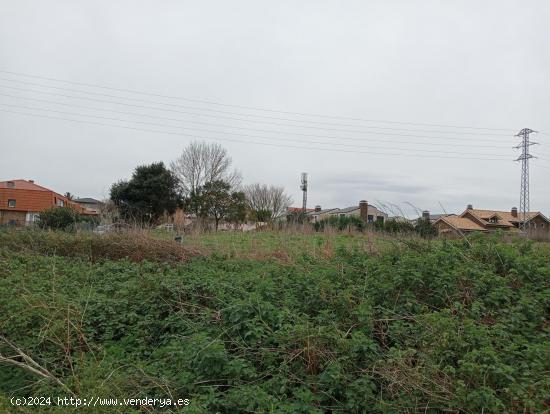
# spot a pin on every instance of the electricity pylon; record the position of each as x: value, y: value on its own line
x: 524, y: 190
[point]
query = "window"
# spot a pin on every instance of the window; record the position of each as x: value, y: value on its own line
x: 11, y: 184
x: 59, y: 202
x: 493, y: 220
x: 380, y: 219
x: 370, y: 218
x: 32, y: 217
x: 11, y: 202
x: 541, y: 225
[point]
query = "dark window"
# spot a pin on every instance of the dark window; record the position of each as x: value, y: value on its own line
x: 370, y: 218
x: 11, y: 184
x: 11, y: 202
x: 380, y: 218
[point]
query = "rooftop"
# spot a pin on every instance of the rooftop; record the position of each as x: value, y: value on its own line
x: 20, y: 184
x: 87, y: 200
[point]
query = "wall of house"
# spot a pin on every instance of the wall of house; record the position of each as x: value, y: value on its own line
x: 321, y: 216
x: 540, y: 225
x: 12, y: 217
x: 444, y: 229
x: 26, y: 200
x: 33, y: 200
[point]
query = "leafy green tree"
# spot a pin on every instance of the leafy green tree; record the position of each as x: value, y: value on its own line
x: 152, y: 191
x: 215, y: 200
x: 237, y: 211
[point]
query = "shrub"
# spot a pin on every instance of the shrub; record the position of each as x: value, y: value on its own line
x: 60, y: 218
x: 393, y: 226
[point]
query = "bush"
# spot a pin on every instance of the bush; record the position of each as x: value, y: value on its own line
x: 393, y: 226
x: 60, y: 218
x: 425, y: 228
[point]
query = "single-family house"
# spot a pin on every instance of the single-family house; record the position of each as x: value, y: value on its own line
x: 21, y: 201
x: 491, y: 220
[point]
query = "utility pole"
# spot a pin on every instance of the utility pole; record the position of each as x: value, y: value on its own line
x: 524, y: 187
x: 303, y: 187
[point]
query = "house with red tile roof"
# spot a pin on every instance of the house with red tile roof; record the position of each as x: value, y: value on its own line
x: 491, y: 220
x: 21, y: 201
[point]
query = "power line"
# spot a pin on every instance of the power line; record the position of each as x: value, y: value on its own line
x: 210, y: 102
x: 408, y: 155
x: 225, y: 117
x: 245, y: 115
x: 237, y: 134
x: 378, y: 137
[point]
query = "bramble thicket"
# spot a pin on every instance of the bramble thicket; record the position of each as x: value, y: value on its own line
x: 347, y: 323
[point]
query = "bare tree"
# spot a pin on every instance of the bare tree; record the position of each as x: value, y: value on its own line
x: 267, y: 202
x: 202, y: 163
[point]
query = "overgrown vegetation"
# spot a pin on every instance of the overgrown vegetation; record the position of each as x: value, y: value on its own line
x: 348, y: 223
x: 423, y: 227
x: 409, y: 325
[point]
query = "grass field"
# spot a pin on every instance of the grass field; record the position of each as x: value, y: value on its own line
x: 273, y: 322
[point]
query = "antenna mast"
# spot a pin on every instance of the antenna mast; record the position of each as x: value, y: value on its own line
x: 303, y: 187
x: 524, y: 188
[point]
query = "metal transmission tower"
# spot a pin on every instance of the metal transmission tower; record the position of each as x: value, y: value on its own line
x: 303, y: 187
x: 524, y: 192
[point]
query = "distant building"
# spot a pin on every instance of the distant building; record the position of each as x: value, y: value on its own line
x: 432, y: 218
x: 366, y: 211
x: 491, y: 220
x: 21, y: 201
x: 90, y: 204
x: 319, y: 214
x: 290, y: 210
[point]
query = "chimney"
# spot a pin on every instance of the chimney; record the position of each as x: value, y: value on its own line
x: 317, y: 208
x: 364, y: 210
x: 426, y: 214
x: 470, y: 207
x: 31, y: 181
x: 514, y: 211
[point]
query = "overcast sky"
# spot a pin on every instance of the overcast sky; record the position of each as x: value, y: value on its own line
x: 460, y: 63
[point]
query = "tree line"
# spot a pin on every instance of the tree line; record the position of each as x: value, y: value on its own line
x: 201, y: 181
